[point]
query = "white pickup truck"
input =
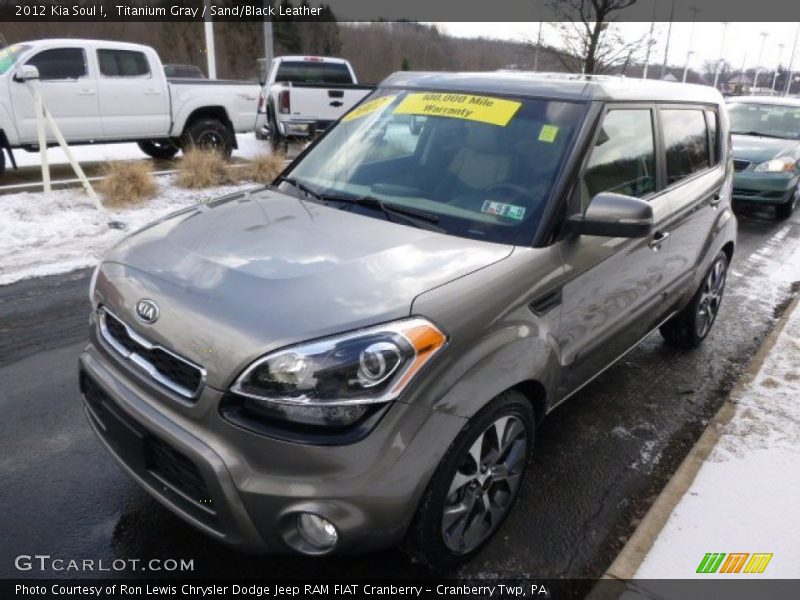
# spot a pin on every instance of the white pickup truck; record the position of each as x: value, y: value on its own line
x: 303, y: 95
x: 103, y: 92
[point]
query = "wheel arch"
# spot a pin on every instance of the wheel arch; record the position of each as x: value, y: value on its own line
x: 216, y: 112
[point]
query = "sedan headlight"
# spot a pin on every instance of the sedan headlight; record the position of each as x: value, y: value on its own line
x: 777, y: 165
x: 334, y: 381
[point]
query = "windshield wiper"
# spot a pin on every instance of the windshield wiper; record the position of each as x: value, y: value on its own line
x: 300, y: 186
x: 759, y: 134
x: 412, y: 216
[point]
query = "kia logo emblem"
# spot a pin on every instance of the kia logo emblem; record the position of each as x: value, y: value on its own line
x: 147, y: 311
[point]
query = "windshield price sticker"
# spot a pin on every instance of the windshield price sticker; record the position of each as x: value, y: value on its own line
x: 368, y: 107
x: 484, y: 109
x: 548, y: 133
x: 501, y: 209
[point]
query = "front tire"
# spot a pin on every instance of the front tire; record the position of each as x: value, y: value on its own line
x: 158, y: 149
x: 475, y: 485
x: 690, y: 327
x: 209, y: 134
x: 784, y: 211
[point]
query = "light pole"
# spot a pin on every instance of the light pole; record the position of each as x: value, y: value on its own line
x: 649, y: 42
x: 686, y: 66
x: 538, y: 47
x: 764, y: 35
x: 791, y: 62
x: 211, y: 56
x: 694, y: 10
x: 669, y: 35
x: 775, y: 78
x: 721, y: 50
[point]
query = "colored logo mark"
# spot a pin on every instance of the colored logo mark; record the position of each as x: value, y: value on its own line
x: 735, y: 562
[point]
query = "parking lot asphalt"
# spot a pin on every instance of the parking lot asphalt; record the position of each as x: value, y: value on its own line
x: 599, y: 461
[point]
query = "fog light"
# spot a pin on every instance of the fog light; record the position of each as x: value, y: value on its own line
x: 316, y: 531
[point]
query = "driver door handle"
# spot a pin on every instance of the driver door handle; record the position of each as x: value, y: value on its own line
x: 715, y: 199
x: 658, y: 239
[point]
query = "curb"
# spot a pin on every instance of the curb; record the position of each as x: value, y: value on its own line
x: 635, y: 550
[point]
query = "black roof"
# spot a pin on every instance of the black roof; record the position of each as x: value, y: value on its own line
x: 562, y: 86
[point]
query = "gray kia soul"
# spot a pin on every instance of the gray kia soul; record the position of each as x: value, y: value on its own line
x: 358, y: 355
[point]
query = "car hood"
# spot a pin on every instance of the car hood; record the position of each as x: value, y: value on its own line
x: 239, y: 277
x: 758, y: 149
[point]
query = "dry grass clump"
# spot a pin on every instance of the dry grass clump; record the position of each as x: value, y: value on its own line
x: 126, y: 183
x: 202, y: 169
x: 264, y: 168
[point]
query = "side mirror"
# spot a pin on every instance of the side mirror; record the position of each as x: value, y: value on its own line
x: 614, y: 215
x: 26, y: 73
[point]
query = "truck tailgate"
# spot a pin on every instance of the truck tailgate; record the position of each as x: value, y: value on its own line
x: 320, y: 103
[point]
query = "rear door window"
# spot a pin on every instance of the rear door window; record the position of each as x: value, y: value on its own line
x: 123, y: 63
x: 623, y: 158
x: 296, y: 71
x: 60, y: 63
x: 685, y: 143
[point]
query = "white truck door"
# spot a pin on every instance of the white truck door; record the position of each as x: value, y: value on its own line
x: 134, y: 99
x: 70, y: 94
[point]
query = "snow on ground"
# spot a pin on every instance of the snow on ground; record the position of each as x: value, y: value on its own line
x: 249, y: 147
x: 745, y: 496
x: 44, y: 234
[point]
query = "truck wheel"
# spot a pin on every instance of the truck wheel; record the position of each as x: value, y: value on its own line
x: 2, y: 161
x: 784, y: 211
x: 210, y: 134
x: 690, y: 327
x: 474, y: 487
x: 160, y: 149
x: 276, y: 139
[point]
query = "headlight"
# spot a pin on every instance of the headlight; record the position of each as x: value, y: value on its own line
x: 776, y: 165
x: 334, y: 381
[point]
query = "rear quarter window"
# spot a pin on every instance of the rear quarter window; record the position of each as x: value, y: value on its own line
x: 685, y: 142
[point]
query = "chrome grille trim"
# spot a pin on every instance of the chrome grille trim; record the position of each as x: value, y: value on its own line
x: 142, y: 363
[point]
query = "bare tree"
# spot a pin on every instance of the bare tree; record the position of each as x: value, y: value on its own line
x: 588, y: 32
x: 710, y: 70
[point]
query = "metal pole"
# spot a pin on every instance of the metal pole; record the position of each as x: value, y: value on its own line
x: 649, y: 42
x: 721, y: 50
x: 775, y: 78
x: 764, y: 35
x: 538, y: 47
x: 694, y: 10
x: 269, y: 50
x: 211, y: 56
x: 669, y: 35
x: 791, y: 62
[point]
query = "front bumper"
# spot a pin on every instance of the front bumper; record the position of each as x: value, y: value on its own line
x: 764, y: 188
x: 246, y: 489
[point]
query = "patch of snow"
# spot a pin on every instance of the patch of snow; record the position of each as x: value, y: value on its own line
x: 249, y: 147
x: 745, y: 496
x: 44, y: 234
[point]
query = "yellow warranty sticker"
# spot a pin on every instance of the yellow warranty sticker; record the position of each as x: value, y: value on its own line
x: 548, y: 133
x: 484, y: 109
x: 368, y: 107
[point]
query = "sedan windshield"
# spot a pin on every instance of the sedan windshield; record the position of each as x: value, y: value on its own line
x: 475, y: 166
x: 9, y: 55
x: 768, y: 120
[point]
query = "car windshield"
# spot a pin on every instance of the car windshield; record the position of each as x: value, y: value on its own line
x: 9, y: 55
x: 477, y: 166
x: 770, y: 120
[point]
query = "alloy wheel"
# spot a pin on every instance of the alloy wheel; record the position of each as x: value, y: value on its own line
x: 711, y: 296
x: 485, y: 484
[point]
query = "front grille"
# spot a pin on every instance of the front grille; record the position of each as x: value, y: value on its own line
x: 740, y: 165
x: 153, y: 459
x: 176, y: 373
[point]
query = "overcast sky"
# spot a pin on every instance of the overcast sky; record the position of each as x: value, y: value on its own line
x: 742, y: 42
